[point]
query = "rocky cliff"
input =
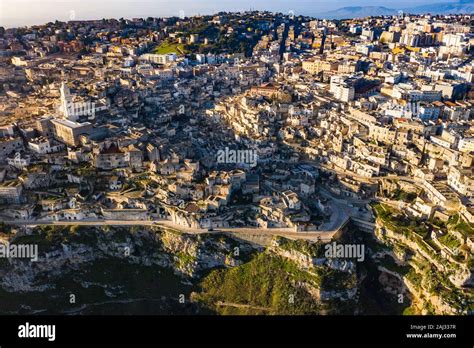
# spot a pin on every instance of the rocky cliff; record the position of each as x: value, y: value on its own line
x: 85, y: 269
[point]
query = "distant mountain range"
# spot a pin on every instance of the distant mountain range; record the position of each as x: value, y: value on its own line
x: 460, y: 7
x: 358, y: 11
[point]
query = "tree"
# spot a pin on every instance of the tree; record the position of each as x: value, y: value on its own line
x: 4, y: 228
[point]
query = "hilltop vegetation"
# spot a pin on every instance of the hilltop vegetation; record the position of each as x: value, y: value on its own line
x: 268, y: 284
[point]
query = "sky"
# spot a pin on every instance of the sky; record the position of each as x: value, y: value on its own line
x: 15, y: 13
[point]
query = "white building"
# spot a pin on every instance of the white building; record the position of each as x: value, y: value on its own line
x: 162, y: 59
x: 341, y: 90
x: 462, y: 181
x: 43, y: 145
x: 66, y: 101
x: 18, y: 161
x: 466, y: 145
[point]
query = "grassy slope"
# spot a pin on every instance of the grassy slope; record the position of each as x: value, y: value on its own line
x: 264, y: 286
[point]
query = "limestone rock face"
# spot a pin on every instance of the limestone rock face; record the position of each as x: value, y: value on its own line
x: 410, y: 251
x: 315, y: 265
x: 187, y: 255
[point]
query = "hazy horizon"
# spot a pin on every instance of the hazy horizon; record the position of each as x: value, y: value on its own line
x: 15, y: 13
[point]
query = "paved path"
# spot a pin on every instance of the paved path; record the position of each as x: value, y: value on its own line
x: 325, y: 236
x: 239, y: 305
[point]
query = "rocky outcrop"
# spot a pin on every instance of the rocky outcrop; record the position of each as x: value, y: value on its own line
x: 455, y: 274
x: 314, y: 265
x: 186, y: 255
x: 191, y: 254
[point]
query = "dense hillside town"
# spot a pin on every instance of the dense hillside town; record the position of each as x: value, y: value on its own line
x: 253, y: 121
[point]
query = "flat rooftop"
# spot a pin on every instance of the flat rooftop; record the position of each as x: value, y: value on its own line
x: 71, y: 124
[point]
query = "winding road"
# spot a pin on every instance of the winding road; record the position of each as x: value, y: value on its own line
x: 324, y: 236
